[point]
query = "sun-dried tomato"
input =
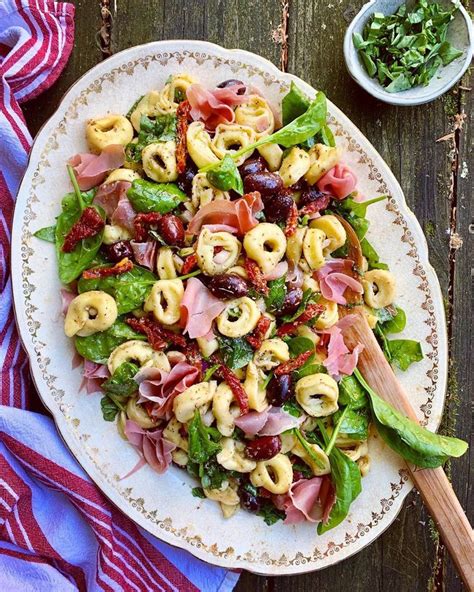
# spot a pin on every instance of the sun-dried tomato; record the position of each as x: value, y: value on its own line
x: 189, y: 264
x: 255, y: 276
x: 292, y: 365
x: 258, y: 334
x: 182, y: 120
x: 157, y: 335
x: 292, y: 221
x: 321, y: 203
x: 142, y: 223
x: 89, y: 224
x: 99, y: 272
x: 193, y: 356
x: 234, y: 384
x: 311, y: 311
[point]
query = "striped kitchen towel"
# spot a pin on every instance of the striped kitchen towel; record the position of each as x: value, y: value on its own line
x: 57, y: 531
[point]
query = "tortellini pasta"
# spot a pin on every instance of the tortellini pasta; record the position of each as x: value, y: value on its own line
x: 213, y: 263
x: 89, y: 313
x: 329, y: 316
x: 203, y: 192
x: 147, y: 105
x: 313, y: 247
x: 257, y: 114
x: 314, y: 457
x: 239, y: 317
x: 225, y: 495
x: 232, y: 456
x: 334, y: 231
x: 114, y: 233
x: 271, y: 354
x: 164, y: 301
x: 108, y: 130
x: 172, y: 433
x: 294, y: 165
x: 165, y: 264
x: 197, y: 397
x: 273, y: 155
x: 253, y: 386
x: 379, y: 288
x: 231, y: 137
x: 317, y: 394
x: 207, y: 346
x: 159, y: 161
x: 139, y: 353
x: 136, y: 413
x: 122, y: 175
x: 294, y: 245
x: 225, y: 409
x: 322, y: 159
x: 265, y: 244
x: 276, y: 474
x: 199, y: 145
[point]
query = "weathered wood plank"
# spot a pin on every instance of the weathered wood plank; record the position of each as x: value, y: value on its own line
x: 86, y: 53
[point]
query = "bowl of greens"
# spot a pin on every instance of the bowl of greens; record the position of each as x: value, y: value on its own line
x: 409, y: 53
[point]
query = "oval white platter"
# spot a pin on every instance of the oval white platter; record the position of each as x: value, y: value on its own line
x: 163, y: 505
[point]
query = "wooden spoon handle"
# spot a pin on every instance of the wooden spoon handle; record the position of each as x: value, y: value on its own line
x: 433, y: 484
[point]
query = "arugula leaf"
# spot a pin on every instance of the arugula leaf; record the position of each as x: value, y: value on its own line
x: 72, y: 264
x: 308, y: 296
x: 354, y: 425
x: 121, y: 383
x: 276, y: 294
x: 351, y: 393
x: 161, y: 129
x: 109, y: 408
x: 226, y: 176
x: 47, y: 234
x: 203, y: 441
x: 146, y: 196
x: 99, y: 346
x: 415, y: 444
x: 294, y: 104
x: 129, y: 289
x: 133, y: 107
x: 299, y: 345
x: 308, y: 368
x: 404, y: 352
x: 236, y: 352
x: 270, y: 513
x: 213, y: 475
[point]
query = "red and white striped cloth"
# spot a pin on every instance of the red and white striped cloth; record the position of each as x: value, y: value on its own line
x: 57, y: 531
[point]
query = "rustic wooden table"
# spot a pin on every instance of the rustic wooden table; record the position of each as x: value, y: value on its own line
x: 429, y: 148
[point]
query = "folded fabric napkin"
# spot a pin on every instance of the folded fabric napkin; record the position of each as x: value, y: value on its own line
x: 57, y: 531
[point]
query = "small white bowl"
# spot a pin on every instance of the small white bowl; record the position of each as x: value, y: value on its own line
x: 460, y: 34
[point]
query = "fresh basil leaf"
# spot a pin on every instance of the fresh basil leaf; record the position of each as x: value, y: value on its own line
x: 203, y: 441
x: 130, y: 289
x: 109, y: 408
x: 351, y: 393
x: 404, y: 352
x: 299, y: 345
x: 146, y: 196
x: 307, y: 448
x: 198, y: 492
x: 226, y: 176
x: 235, y: 352
x: 99, y: 346
x: 396, y: 323
x: 294, y: 104
x: 417, y: 445
x: 72, y: 264
x: 371, y: 255
x: 270, y: 513
x: 355, y: 425
x: 47, y: 234
x: 122, y: 383
x: 276, y: 294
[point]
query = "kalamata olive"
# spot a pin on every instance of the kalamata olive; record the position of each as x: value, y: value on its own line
x: 117, y: 251
x: 292, y: 300
x: 249, y: 502
x: 279, y: 389
x: 171, y: 229
x: 228, y: 285
x: 313, y: 195
x: 266, y: 183
x: 254, y: 165
x: 263, y: 448
x: 278, y: 207
x: 232, y: 82
x: 185, y: 179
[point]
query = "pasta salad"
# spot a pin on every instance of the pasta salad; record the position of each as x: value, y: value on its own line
x: 211, y: 253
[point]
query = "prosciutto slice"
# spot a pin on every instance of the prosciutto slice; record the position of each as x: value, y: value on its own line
x: 91, y: 169
x: 338, y: 181
x: 215, y: 106
x: 239, y: 214
x: 145, y: 253
x: 340, y: 359
x: 162, y: 387
x: 294, y: 277
x: 270, y: 422
x: 112, y: 197
x: 198, y: 309
x: 334, y: 280
x: 66, y: 298
x: 93, y: 376
x: 252, y: 422
x: 277, y: 271
x: 151, y: 446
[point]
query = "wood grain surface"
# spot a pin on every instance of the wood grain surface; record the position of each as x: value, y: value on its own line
x: 305, y: 37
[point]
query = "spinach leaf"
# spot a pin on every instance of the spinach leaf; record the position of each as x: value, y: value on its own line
x: 357, y: 208
x: 299, y: 345
x: 294, y: 104
x: 146, y: 196
x: 161, y: 129
x: 371, y: 255
x: 293, y: 408
x: 235, y: 352
x: 270, y: 513
x: 354, y: 424
x: 133, y: 107
x: 72, y: 264
x: 99, y: 346
x: 47, y: 234
x: 226, y: 176
x: 396, y: 323
x: 307, y: 448
x: 276, y: 294
x: 212, y: 475
x: 415, y: 444
x: 203, y: 441
x: 308, y: 296
x: 404, y: 352
x: 351, y: 393
x: 308, y: 368
x: 121, y: 383
x: 109, y: 408
x: 129, y: 289
x: 198, y: 492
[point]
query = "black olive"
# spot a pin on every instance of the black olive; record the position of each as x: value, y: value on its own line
x: 312, y: 195
x: 279, y: 389
x: 117, y: 251
x: 278, y: 207
x: 292, y: 300
x: 228, y: 285
x: 232, y: 82
x: 254, y: 165
x: 264, y: 182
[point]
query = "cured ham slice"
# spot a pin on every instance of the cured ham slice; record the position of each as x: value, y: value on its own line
x: 277, y: 271
x: 152, y: 447
x: 145, y: 253
x: 240, y: 214
x: 214, y: 106
x: 93, y: 376
x: 340, y: 359
x: 198, y: 309
x: 338, y: 181
x: 334, y: 280
x: 91, y: 169
x: 270, y: 422
x: 112, y: 197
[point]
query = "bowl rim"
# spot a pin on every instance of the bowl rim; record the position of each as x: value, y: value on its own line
x: 356, y: 71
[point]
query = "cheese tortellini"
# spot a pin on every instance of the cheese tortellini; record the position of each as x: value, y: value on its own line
x: 231, y: 137
x: 313, y: 246
x: 257, y: 114
x: 294, y: 165
x: 213, y: 263
x: 89, y: 313
x: 139, y: 353
x: 275, y: 475
x: 379, y: 288
x: 314, y: 457
x: 197, y: 397
x: 321, y: 158
x: 203, y: 192
x: 232, y: 456
x: 317, y: 394
x: 253, y: 386
x: 164, y: 301
x: 335, y: 234
x: 239, y: 317
x: 108, y: 130
x: 271, y: 354
x: 265, y: 244
x: 159, y: 161
x: 225, y: 409
x: 199, y: 145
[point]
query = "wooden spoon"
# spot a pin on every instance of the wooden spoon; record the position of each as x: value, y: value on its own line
x: 433, y: 484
